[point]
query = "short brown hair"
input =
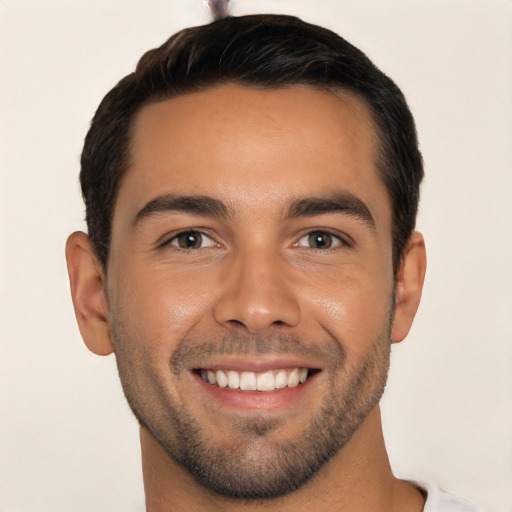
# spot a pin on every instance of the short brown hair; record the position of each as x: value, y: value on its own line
x: 268, y: 51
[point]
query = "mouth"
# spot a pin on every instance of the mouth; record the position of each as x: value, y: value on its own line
x: 257, y: 383
x: 269, y: 380
x: 264, y: 381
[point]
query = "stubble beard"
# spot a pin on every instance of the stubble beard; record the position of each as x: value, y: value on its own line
x: 240, y: 469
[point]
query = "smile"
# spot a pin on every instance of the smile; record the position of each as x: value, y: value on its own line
x: 255, y: 381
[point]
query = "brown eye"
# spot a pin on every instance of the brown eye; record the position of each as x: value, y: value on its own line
x: 189, y: 240
x: 192, y: 240
x: 320, y: 240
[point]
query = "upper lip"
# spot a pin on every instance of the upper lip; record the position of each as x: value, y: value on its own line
x: 256, y: 363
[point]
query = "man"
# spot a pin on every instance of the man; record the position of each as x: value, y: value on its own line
x: 251, y: 194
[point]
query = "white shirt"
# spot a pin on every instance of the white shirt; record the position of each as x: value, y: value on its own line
x: 440, y: 501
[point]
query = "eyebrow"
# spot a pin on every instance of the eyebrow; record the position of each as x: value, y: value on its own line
x: 195, y: 205
x: 341, y: 202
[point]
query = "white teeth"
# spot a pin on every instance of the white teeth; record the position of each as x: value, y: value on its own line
x: 222, y: 380
x: 265, y: 382
x: 252, y: 381
x: 210, y: 376
x: 233, y: 379
x: 248, y: 381
x: 281, y: 379
x: 293, y: 378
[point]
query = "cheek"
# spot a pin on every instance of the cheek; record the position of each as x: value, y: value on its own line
x: 159, y: 310
x: 355, y: 312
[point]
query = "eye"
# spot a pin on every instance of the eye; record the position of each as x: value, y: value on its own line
x: 191, y: 240
x: 320, y: 240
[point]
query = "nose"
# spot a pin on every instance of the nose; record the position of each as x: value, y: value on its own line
x: 257, y: 294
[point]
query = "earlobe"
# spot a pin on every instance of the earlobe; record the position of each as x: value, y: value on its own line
x: 87, y: 291
x: 409, y: 286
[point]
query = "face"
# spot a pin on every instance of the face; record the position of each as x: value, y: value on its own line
x: 250, y: 282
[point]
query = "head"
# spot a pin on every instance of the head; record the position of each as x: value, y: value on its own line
x: 263, y: 51
x: 251, y: 194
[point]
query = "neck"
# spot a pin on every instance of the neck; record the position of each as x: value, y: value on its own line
x: 357, y: 479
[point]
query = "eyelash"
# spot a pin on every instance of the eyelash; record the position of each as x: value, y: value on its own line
x: 335, y: 239
x: 201, y: 235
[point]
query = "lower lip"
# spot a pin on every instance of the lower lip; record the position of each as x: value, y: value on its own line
x: 256, y: 400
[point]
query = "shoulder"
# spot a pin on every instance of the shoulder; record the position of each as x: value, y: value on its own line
x: 441, y: 501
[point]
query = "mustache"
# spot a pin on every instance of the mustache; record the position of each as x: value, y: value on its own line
x: 196, y: 353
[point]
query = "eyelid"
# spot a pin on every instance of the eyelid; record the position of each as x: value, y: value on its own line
x: 343, y: 239
x: 168, y: 238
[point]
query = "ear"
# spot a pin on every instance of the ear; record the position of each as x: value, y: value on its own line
x: 408, y: 287
x: 86, y: 278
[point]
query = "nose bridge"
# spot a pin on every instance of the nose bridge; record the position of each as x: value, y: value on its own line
x: 256, y: 292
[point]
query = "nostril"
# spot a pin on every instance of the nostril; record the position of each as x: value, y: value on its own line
x: 236, y: 323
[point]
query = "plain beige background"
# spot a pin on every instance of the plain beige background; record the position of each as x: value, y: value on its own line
x: 67, y: 440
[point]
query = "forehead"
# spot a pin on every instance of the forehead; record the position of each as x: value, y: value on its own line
x: 252, y: 147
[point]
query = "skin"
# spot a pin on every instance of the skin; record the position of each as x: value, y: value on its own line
x: 256, y: 293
